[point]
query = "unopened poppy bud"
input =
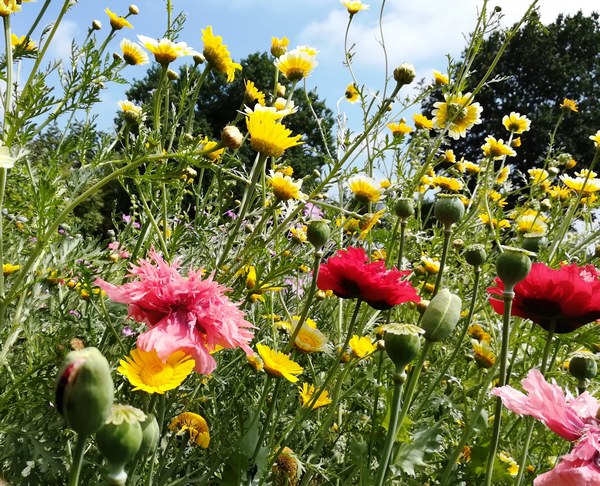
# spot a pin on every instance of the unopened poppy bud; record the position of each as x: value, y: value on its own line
x: 448, y: 209
x: 119, y: 440
x: 404, y: 74
x: 512, y: 266
x: 150, y: 435
x: 231, y: 137
x: 84, y: 391
x: 583, y: 366
x: 133, y: 9
x: 441, y: 316
x: 475, y: 255
x: 96, y: 25
x: 404, y: 208
x: 402, y: 343
x: 317, y: 232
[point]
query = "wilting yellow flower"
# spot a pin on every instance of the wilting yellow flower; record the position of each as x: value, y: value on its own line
x: 421, y: 121
x: 267, y: 135
x: 117, y: 22
x: 596, y: 139
x: 368, y: 222
x: 9, y: 268
x: 195, y: 425
x: 296, y: 64
x: 516, y: 123
x: 310, y: 340
x: 469, y: 167
x: 515, y: 142
x: 465, y: 454
x: 448, y: 183
x: 440, y: 78
x: 133, y: 54
x: 253, y: 93
x: 213, y: 155
x: 458, y: 113
x: 569, y: 105
x: 306, y: 396
x: 352, y: 94
x: 361, y: 346
x: 354, y: 6
x: 496, y: 149
x: 166, y: 51
x: 477, y: 332
x: 22, y: 42
x: 431, y: 265
x: 364, y: 188
x: 279, y: 46
x: 502, y: 175
x: 217, y: 55
x: 284, y: 187
x: 531, y: 222
x: 278, y: 364
x: 570, y: 163
x: 287, y: 468
x: 483, y: 354
x: 493, y: 223
x: 147, y: 372
x: 399, y: 129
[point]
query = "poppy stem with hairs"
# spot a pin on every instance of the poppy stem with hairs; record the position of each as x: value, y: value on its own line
x: 77, y: 460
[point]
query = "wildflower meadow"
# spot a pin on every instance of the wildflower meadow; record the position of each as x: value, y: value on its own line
x: 393, y: 314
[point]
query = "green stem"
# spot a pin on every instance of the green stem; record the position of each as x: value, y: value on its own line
x: 438, y: 281
x: 77, y: 460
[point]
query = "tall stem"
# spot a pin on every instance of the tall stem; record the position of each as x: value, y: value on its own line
x: 438, y: 281
x: 77, y: 460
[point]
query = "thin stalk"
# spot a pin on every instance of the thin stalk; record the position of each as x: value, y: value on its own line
x: 77, y: 460
x: 438, y: 281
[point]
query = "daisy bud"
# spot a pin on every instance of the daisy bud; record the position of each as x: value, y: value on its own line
x: 117, y: 57
x: 232, y: 137
x: 512, y: 266
x: 448, y: 209
x: 422, y: 305
x: 404, y: 208
x: 402, y: 344
x: 172, y: 75
x: 458, y: 243
x: 404, y: 74
x: 475, y: 255
x: 441, y: 316
x: 96, y: 25
x: 199, y: 59
x: 150, y: 435
x: 133, y: 9
x: 119, y: 440
x: 317, y: 232
x: 84, y: 392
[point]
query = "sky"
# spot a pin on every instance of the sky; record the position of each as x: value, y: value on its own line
x: 419, y: 32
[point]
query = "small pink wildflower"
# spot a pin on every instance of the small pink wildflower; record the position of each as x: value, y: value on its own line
x: 192, y: 315
x: 574, y: 419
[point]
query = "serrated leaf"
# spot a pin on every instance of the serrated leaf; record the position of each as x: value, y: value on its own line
x: 426, y: 440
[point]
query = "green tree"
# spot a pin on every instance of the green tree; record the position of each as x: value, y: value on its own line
x: 219, y: 104
x: 541, y: 66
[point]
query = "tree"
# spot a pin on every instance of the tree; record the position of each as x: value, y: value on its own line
x: 219, y: 104
x: 541, y: 66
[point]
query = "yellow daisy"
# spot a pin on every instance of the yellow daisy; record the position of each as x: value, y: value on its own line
x: 195, y: 425
x: 166, y: 51
x: 582, y: 184
x: 147, y: 372
x: 483, y: 354
x: 284, y: 187
x: 531, y: 222
x: 307, y: 393
x: 9, y: 268
x: 494, y: 223
x: 596, y: 139
x: 354, y: 6
x: 502, y: 175
x: 496, y: 149
x: 513, y: 467
x: 296, y: 64
x: 310, y: 340
x: 569, y: 105
x: 278, y: 364
x: 364, y: 188
x: 469, y: 167
x: 447, y: 183
x: 540, y: 177
x: 368, y: 222
x: 498, y: 198
x: 117, y: 22
x: 516, y: 123
x: 133, y: 54
x: 131, y: 112
x: 217, y: 55
x: 279, y: 46
x: 421, y: 121
x: 22, y: 42
x: 559, y: 193
x: 352, y: 94
x: 399, y: 129
x: 255, y: 362
x: 8, y: 7
x: 477, y: 332
x: 458, y: 113
x: 290, y: 326
x: 361, y: 346
x: 253, y: 93
x: 449, y: 156
x: 213, y: 155
x: 298, y: 234
x: 431, y: 265
x: 267, y: 135
x: 440, y: 78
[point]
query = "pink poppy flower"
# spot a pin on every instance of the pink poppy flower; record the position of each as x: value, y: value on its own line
x: 190, y: 314
x: 574, y: 419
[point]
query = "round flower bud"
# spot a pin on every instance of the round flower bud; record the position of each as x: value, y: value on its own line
x: 441, y: 315
x: 232, y: 137
x: 422, y: 305
x: 117, y: 57
x: 172, y: 75
x: 404, y: 208
x: 512, y: 266
x: 458, y: 243
x: 448, y: 209
x: 317, y: 232
x: 198, y: 59
x: 84, y: 391
x: 534, y: 242
x: 583, y: 366
x: 96, y: 25
x: 475, y: 255
x: 119, y: 440
x: 404, y: 74
x: 150, y: 435
x: 133, y: 9
x: 402, y: 343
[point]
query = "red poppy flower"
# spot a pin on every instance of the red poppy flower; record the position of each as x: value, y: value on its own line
x: 569, y: 295
x: 350, y: 276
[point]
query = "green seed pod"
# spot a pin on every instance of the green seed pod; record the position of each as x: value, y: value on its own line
x: 404, y: 208
x: 441, y: 316
x: 119, y: 440
x: 150, y: 435
x: 402, y: 343
x: 512, y: 266
x: 475, y: 255
x: 534, y: 242
x: 583, y: 366
x: 317, y: 232
x: 448, y: 209
x: 84, y: 390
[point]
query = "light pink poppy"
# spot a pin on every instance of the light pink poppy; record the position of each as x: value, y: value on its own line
x: 190, y: 314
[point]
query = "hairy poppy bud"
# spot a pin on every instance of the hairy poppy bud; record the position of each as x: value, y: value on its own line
x: 441, y: 315
x: 317, y: 232
x: 84, y: 391
x: 402, y: 343
x: 512, y: 266
x: 475, y: 255
x: 448, y: 209
x: 404, y: 208
x: 150, y: 435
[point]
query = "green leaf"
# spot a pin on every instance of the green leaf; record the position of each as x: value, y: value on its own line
x: 426, y: 440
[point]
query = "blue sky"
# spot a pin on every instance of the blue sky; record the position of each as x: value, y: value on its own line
x: 421, y: 33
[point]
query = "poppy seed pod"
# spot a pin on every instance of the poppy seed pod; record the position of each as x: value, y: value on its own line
x: 404, y: 208
x: 317, y: 232
x: 534, y: 242
x: 402, y: 343
x: 512, y: 266
x: 441, y: 316
x: 475, y: 255
x: 448, y: 209
x: 583, y: 366
x: 84, y: 390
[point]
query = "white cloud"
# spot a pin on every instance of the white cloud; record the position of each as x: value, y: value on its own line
x: 60, y: 48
